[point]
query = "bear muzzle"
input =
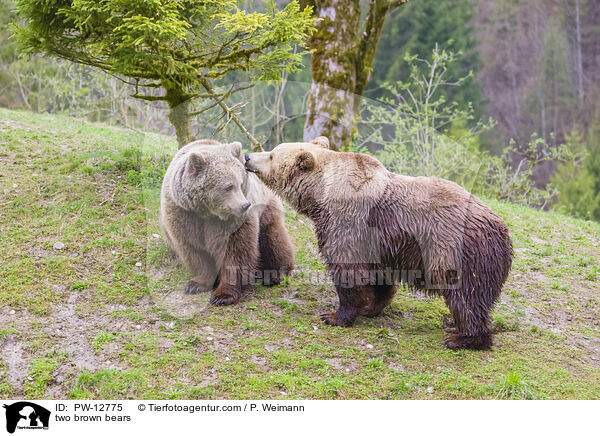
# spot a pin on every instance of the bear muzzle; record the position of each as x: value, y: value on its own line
x: 256, y: 162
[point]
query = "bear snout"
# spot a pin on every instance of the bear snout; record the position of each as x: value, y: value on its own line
x: 257, y: 162
x: 246, y: 157
x: 248, y: 166
x: 246, y: 206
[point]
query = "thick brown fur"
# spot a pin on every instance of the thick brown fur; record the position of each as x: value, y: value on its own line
x: 427, y: 232
x: 223, y: 223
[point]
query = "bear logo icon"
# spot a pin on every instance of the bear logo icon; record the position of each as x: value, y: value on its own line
x: 26, y: 415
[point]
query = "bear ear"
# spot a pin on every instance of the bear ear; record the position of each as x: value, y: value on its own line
x: 195, y: 164
x: 321, y: 141
x: 236, y: 150
x: 306, y: 160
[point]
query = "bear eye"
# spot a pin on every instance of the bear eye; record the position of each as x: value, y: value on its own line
x: 270, y: 157
x: 229, y: 188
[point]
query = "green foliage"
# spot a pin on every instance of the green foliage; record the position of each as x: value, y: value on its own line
x: 578, y: 180
x: 409, y: 122
x: 515, y: 387
x: 165, y: 41
x: 419, y: 132
x: 142, y: 168
x: 416, y: 28
x: 181, y: 47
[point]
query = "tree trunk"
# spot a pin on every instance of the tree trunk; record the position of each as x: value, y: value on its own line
x: 331, y: 98
x: 179, y: 114
x: 342, y: 59
x: 580, y: 93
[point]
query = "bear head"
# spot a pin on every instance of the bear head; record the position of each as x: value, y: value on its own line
x: 285, y: 162
x: 308, y: 175
x: 211, y: 179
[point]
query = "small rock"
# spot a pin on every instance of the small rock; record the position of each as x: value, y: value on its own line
x: 6, y: 192
x: 170, y: 326
x: 12, y: 312
x: 138, y: 264
x: 282, y: 393
x: 315, y: 327
x: 430, y: 390
x: 138, y: 326
x: 270, y: 347
x: 30, y: 378
x: 113, y: 252
x: 155, y: 235
x: 210, y: 338
x: 58, y: 245
x: 369, y: 346
x: 60, y: 379
x: 227, y: 359
x: 15, y: 185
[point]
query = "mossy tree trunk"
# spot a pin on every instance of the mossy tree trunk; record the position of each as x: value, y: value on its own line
x: 344, y: 50
x: 179, y: 114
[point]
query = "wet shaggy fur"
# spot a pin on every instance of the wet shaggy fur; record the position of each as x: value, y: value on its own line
x: 376, y: 228
x: 223, y: 223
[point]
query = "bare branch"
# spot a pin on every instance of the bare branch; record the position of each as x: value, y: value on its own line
x: 230, y: 112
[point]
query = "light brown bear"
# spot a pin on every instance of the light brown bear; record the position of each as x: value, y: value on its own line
x: 223, y: 223
x: 376, y: 228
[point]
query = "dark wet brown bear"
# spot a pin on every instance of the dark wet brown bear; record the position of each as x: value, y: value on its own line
x: 376, y: 228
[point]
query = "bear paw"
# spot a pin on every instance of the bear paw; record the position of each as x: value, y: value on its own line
x: 193, y: 287
x: 329, y: 318
x: 460, y: 342
x: 224, y: 300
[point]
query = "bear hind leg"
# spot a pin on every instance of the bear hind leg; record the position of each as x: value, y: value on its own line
x: 471, y: 324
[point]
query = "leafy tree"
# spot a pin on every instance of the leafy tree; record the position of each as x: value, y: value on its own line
x: 182, y: 47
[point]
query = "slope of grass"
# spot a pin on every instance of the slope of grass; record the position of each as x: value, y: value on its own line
x: 91, y: 301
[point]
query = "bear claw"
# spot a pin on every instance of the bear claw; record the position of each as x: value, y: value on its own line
x: 223, y: 300
x: 193, y: 287
x: 329, y: 318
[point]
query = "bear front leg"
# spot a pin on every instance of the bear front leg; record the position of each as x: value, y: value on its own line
x: 204, y: 268
x: 238, y: 271
x: 276, y: 250
x: 354, y: 292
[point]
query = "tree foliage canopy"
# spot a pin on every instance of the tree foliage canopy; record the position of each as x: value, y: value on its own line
x: 182, y: 46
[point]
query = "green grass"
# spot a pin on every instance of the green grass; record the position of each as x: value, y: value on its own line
x: 111, y: 298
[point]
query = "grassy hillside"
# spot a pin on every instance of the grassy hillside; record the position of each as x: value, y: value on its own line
x: 91, y: 300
